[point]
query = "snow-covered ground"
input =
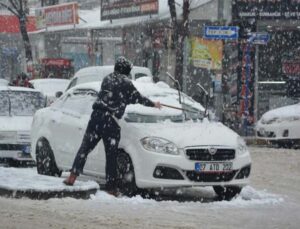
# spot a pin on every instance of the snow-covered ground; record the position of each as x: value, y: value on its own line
x: 272, y: 200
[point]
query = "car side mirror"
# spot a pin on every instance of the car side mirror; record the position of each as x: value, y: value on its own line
x: 58, y: 94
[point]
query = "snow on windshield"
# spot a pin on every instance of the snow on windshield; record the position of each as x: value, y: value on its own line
x: 167, y: 96
x: 20, y: 103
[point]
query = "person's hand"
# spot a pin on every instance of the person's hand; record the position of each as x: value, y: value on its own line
x: 157, y: 105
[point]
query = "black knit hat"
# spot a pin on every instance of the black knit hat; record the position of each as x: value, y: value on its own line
x: 123, y: 65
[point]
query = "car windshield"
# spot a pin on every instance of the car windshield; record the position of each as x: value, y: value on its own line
x: 189, y: 113
x: 20, y: 103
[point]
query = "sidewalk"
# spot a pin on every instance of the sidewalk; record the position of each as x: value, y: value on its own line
x: 25, y: 182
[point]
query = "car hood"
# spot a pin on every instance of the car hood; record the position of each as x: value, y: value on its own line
x: 15, y: 123
x: 183, y: 134
x: 282, y: 112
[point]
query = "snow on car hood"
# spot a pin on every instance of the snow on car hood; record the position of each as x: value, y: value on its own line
x: 15, y: 123
x: 282, y: 112
x: 184, y: 134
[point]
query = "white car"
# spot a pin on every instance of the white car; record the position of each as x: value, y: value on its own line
x: 49, y: 87
x: 158, y: 149
x: 280, y: 126
x: 17, y: 107
x: 4, y: 82
x: 97, y: 73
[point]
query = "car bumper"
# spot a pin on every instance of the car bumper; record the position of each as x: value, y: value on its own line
x: 15, y: 152
x: 283, y: 131
x: 179, y: 171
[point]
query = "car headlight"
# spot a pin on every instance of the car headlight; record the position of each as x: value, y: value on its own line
x: 159, y: 145
x: 242, y: 147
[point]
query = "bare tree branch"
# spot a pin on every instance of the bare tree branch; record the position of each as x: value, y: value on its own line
x: 15, y: 5
x: 9, y: 9
x: 185, y: 16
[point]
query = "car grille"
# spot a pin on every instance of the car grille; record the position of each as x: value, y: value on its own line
x: 203, y: 154
x: 210, y: 177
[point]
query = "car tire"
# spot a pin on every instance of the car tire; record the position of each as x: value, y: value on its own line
x: 126, y: 175
x: 227, y: 192
x: 45, y: 161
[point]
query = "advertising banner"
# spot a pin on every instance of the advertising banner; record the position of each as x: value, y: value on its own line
x: 266, y: 9
x: 64, y: 14
x: 10, y: 24
x: 114, y: 9
x: 206, y: 54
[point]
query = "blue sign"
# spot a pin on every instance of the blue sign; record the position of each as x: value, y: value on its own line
x: 221, y: 32
x: 259, y: 38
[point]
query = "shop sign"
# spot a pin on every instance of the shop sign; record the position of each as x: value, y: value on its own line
x: 291, y: 68
x: 64, y: 14
x: 59, y: 62
x: 114, y: 9
x: 10, y: 24
x: 268, y: 9
x: 206, y: 54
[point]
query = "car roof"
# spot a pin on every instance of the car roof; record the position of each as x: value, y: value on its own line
x: 107, y: 69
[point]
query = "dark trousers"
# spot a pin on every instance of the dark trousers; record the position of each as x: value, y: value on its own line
x: 101, y: 126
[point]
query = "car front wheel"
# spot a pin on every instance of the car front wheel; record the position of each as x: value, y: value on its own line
x: 126, y: 176
x: 227, y: 192
x: 45, y: 160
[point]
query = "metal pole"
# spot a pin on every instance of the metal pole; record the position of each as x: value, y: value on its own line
x: 256, y: 84
x: 248, y: 69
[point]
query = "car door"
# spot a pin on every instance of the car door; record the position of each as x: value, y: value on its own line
x: 76, y: 112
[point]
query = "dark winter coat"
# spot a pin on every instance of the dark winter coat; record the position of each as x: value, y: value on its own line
x: 117, y: 91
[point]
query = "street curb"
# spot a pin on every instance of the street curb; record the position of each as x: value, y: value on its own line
x: 40, y: 195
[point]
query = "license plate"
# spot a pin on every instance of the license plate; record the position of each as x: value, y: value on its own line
x: 213, y: 166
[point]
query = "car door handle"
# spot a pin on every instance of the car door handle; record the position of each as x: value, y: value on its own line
x: 53, y: 120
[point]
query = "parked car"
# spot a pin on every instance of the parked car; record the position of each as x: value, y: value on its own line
x: 97, y: 73
x: 158, y: 149
x: 280, y: 126
x: 50, y: 87
x: 17, y: 107
x: 4, y: 82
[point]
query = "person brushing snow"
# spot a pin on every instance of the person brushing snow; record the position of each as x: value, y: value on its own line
x: 117, y: 91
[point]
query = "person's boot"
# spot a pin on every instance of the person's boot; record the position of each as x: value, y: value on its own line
x: 114, y: 193
x: 70, y: 180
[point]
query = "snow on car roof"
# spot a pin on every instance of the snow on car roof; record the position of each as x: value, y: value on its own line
x: 286, y: 111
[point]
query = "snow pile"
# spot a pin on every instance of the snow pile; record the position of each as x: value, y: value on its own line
x: 248, y: 197
x: 23, y: 179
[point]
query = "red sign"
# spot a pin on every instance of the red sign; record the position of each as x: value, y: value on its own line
x: 10, y: 24
x: 114, y: 9
x: 64, y: 14
x: 59, y: 62
x: 291, y: 67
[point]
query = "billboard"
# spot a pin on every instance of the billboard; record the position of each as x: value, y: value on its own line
x: 114, y: 9
x: 64, y: 14
x: 266, y: 9
x: 206, y: 54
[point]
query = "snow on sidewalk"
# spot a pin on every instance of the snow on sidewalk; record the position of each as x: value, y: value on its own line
x: 19, y: 182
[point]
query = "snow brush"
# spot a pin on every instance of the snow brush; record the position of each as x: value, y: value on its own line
x: 179, y: 108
